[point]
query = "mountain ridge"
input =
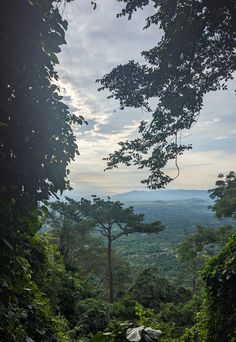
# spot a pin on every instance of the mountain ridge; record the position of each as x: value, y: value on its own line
x: 161, y: 195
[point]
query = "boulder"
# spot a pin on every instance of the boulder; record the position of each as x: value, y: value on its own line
x: 155, y: 335
x: 143, y: 334
x: 146, y: 338
x: 134, y: 334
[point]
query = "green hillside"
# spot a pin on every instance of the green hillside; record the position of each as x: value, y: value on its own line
x: 181, y: 219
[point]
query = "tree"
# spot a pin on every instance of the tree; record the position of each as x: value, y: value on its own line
x: 224, y: 195
x: 151, y: 289
x: 198, y: 247
x: 36, y: 145
x: 113, y: 220
x: 195, y: 55
x: 72, y: 233
x: 37, y: 141
x: 216, y: 319
x: 220, y: 295
x: 82, y: 251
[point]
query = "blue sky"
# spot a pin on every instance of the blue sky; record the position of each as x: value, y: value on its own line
x: 96, y: 42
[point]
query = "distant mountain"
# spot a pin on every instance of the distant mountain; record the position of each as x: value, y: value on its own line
x: 161, y: 195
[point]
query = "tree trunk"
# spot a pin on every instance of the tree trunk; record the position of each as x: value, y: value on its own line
x: 194, y: 282
x: 110, y: 276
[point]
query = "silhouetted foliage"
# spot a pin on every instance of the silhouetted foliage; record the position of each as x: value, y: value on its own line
x: 195, y: 55
x: 36, y: 145
x: 37, y: 141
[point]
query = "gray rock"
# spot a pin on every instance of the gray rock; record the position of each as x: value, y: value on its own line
x: 134, y: 334
x: 143, y: 334
x: 154, y: 334
x: 146, y: 338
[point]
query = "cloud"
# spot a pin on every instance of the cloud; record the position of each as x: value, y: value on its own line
x: 200, y: 169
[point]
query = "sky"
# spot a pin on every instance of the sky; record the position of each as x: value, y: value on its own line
x: 96, y: 43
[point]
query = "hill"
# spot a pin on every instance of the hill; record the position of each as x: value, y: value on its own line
x: 181, y: 218
x: 161, y: 195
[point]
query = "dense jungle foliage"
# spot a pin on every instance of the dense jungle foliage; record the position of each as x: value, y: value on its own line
x: 54, y: 285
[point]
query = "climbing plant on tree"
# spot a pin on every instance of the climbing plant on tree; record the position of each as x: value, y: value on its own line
x: 36, y: 145
x: 196, y: 248
x: 215, y: 321
x: 220, y: 298
x: 37, y: 141
x: 216, y: 318
x: 195, y: 55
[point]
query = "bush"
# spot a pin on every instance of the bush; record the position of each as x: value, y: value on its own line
x: 217, y: 317
x: 151, y: 289
x: 92, y: 316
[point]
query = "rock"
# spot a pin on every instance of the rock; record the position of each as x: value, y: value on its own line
x: 153, y: 334
x: 126, y: 324
x: 134, y: 334
x: 146, y: 338
x: 143, y: 334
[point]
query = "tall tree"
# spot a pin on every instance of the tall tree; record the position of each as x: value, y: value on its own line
x: 151, y: 289
x: 219, y: 277
x: 72, y: 233
x: 216, y: 320
x: 37, y: 141
x: 198, y: 247
x: 195, y: 55
x: 82, y: 250
x: 113, y: 220
x: 36, y: 145
x: 224, y: 195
